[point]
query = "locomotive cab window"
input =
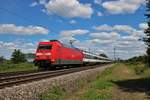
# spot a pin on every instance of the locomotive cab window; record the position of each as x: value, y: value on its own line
x: 45, y: 47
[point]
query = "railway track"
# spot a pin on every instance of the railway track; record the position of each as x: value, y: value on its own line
x: 6, y: 74
x: 11, y: 80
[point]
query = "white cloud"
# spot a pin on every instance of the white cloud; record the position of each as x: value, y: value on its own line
x: 72, y: 22
x: 124, y: 28
x: 69, y: 8
x: 41, y: 2
x: 120, y: 28
x: 67, y: 33
x: 22, y: 30
x: 44, y: 40
x: 143, y: 26
x: 129, y: 38
x: 85, y: 45
x: 102, y: 42
x: 105, y: 35
x: 33, y: 4
x: 127, y: 45
x: 131, y: 46
x: 104, y: 27
x: 122, y: 6
x: 98, y: 1
x: 138, y: 33
x: 99, y: 14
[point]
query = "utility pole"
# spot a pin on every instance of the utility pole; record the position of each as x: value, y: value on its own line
x: 71, y: 42
x: 114, y: 54
x: 89, y: 49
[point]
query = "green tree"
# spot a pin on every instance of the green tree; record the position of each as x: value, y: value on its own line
x: 103, y: 55
x: 2, y: 59
x: 30, y: 57
x: 137, y: 59
x: 147, y: 32
x: 18, y: 57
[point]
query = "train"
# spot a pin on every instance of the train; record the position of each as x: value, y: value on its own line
x: 54, y: 54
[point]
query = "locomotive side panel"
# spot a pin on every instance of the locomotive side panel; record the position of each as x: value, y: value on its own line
x: 68, y: 56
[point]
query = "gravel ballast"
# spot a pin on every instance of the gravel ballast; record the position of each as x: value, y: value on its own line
x: 30, y: 91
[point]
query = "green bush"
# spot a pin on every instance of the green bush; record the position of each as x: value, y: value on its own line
x: 139, y: 70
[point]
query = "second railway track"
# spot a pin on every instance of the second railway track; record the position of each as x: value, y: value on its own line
x: 8, y: 81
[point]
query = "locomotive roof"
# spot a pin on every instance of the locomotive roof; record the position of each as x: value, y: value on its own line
x: 49, y: 42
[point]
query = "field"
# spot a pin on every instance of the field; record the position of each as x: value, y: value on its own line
x: 9, y: 67
x: 120, y: 82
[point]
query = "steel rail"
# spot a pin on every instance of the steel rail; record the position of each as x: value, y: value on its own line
x: 6, y: 74
x: 16, y: 80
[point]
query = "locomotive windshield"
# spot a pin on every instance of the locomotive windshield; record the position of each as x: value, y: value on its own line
x: 44, y: 47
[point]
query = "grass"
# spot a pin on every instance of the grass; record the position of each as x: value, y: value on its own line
x: 109, y: 85
x: 99, y: 89
x: 9, y: 67
x: 137, y: 67
x: 56, y: 93
x: 92, y: 94
x: 101, y: 84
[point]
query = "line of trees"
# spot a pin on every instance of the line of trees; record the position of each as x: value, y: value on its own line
x: 147, y: 32
x: 141, y: 59
x: 18, y: 57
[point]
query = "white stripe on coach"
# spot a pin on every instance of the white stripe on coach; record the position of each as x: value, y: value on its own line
x: 93, y: 60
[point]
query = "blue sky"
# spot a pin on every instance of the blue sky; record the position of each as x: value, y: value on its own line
x: 95, y: 25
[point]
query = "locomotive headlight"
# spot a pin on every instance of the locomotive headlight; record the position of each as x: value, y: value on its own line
x: 39, y: 54
x: 48, y: 54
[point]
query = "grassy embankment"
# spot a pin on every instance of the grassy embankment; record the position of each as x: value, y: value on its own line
x: 10, y: 67
x: 120, y: 82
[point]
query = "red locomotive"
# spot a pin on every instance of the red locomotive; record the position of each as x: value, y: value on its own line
x: 54, y: 53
